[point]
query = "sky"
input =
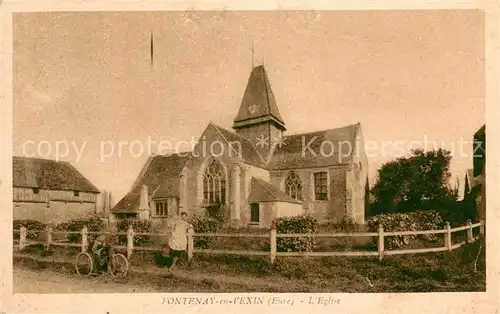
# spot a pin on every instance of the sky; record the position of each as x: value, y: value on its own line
x: 84, y: 81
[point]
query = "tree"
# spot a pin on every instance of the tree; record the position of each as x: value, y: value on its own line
x: 418, y: 182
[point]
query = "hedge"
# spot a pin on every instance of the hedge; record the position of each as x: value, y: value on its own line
x: 204, y: 224
x: 413, y: 221
x: 139, y: 226
x: 34, y: 227
x: 94, y: 224
x: 297, y: 224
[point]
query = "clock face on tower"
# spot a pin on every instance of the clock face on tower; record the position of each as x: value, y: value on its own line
x: 253, y: 108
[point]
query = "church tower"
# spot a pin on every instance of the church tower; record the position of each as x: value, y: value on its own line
x: 258, y: 118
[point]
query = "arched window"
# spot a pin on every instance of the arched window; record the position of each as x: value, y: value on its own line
x: 214, y: 184
x: 293, y: 186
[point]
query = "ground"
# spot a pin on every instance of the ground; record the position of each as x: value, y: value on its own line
x: 460, y: 270
x: 27, y: 280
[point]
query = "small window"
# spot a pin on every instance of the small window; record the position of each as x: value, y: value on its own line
x: 161, y: 209
x: 254, y: 213
x: 76, y: 193
x: 321, y: 186
x: 36, y: 190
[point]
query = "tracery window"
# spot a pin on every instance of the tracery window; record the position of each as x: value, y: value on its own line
x: 293, y: 186
x: 214, y: 184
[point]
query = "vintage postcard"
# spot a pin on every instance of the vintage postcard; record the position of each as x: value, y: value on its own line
x: 248, y: 157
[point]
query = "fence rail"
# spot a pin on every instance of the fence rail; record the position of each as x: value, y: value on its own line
x: 23, y: 241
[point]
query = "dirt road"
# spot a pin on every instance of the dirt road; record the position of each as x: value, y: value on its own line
x: 45, y: 281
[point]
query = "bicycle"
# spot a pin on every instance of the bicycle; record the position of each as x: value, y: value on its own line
x: 118, y: 265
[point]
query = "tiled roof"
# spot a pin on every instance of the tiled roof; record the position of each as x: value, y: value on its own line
x: 262, y: 191
x: 295, y: 152
x: 249, y: 152
x: 161, y: 174
x: 128, y: 204
x: 49, y: 174
x: 258, y: 100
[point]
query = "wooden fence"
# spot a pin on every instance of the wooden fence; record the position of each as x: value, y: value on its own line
x: 272, y: 236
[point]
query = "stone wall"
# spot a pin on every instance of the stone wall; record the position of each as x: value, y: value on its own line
x: 356, y: 180
x: 284, y: 209
x: 248, y: 172
x: 324, y: 210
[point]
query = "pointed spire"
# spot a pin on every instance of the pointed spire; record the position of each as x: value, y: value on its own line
x: 258, y: 104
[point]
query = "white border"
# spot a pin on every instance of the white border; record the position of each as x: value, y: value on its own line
x: 350, y: 303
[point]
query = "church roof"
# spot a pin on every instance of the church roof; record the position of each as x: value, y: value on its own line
x: 249, y: 152
x: 262, y: 191
x: 49, y: 174
x: 258, y: 103
x: 305, y: 150
x: 161, y: 174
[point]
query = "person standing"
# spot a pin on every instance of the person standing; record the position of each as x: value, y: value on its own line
x: 176, y: 245
x: 177, y: 240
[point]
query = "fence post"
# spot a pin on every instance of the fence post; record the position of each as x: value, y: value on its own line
x: 49, y: 237
x: 470, y: 237
x: 190, y: 247
x: 22, y: 238
x: 85, y: 240
x: 130, y: 241
x: 272, y: 256
x: 381, y: 242
x: 447, y: 236
x: 481, y: 227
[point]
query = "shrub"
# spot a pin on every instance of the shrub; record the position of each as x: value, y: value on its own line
x: 33, y: 228
x: 346, y: 224
x: 413, y: 221
x: 203, y: 224
x: 457, y: 213
x: 298, y: 224
x: 218, y: 212
x: 94, y: 224
x: 139, y: 226
x: 232, y: 224
x: 428, y: 220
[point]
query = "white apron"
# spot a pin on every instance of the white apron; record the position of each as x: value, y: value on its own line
x: 178, y: 237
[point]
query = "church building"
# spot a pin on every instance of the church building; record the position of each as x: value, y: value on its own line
x: 256, y: 172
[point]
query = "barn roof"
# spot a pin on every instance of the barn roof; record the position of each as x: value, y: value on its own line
x: 262, y: 191
x: 48, y: 174
x: 305, y: 150
x: 161, y: 174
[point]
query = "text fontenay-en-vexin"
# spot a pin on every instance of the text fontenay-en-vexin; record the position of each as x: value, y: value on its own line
x: 211, y: 300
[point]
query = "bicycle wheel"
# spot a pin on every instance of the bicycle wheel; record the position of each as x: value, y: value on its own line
x: 118, y: 266
x: 84, y: 264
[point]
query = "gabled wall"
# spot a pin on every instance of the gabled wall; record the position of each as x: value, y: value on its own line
x: 195, y: 168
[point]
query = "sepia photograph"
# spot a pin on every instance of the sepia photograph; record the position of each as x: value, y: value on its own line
x: 306, y: 151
